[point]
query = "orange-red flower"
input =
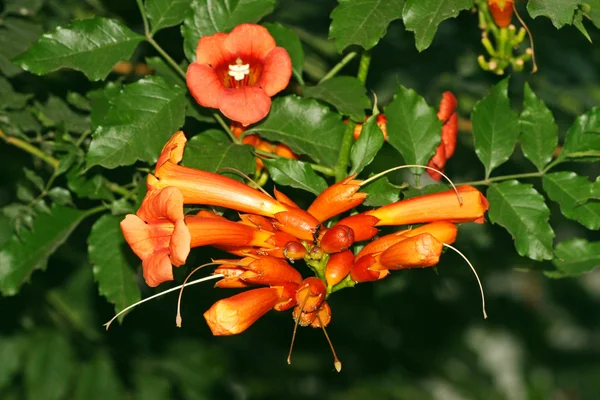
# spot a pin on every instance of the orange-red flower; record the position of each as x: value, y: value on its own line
x: 239, y: 72
x: 337, y: 198
x: 501, y: 11
x: 445, y: 150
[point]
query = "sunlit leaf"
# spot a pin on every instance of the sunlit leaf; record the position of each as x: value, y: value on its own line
x: 362, y: 22
x: 92, y: 46
x: 297, y: 174
x: 520, y: 209
x: 306, y: 126
x: 495, y: 127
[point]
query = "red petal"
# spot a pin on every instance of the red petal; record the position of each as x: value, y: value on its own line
x: 251, y: 41
x: 205, y: 85
x: 277, y: 71
x: 246, y: 105
x: 211, y: 50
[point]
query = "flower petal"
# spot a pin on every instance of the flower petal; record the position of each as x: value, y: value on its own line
x: 162, y: 204
x: 180, y: 243
x: 172, y: 150
x: 277, y: 71
x: 144, y: 239
x: 211, y: 50
x: 205, y: 85
x: 157, y: 268
x: 246, y: 105
x: 250, y: 41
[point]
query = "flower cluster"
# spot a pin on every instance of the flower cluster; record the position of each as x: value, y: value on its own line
x: 273, y: 232
x: 447, y: 114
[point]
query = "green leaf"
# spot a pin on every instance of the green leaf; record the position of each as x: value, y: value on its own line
x: 57, y: 113
x: 98, y: 380
x: 423, y: 17
x: 101, y: 101
x: 112, y: 259
x: 381, y: 192
x: 288, y: 39
x: 296, y: 174
x: 575, y: 257
x: 60, y: 196
x: 559, y: 11
x: 583, y: 137
x: 595, y: 190
x: 362, y: 22
x: 89, y: 186
x: 594, y: 12
x: 495, y: 127
x: 139, y: 122
x: 578, y: 22
x: 21, y: 256
x: 539, y: 132
x: 34, y: 178
x: 24, y: 8
x: 16, y: 35
x: 212, y: 150
x: 521, y: 210
x: 412, y: 191
x: 346, y: 93
x: 208, y: 17
x: 11, y: 359
x: 571, y: 192
x: 306, y: 126
x: 413, y: 127
x: 165, y: 13
x: 92, y: 46
x: 50, y: 366
x: 10, y: 99
x: 79, y: 101
x: 366, y: 146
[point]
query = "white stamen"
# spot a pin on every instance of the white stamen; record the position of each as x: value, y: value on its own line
x: 238, y: 70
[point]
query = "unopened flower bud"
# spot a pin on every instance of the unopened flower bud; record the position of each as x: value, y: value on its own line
x: 338, y: 267
x: 294, y: 251
x: 337, y: 238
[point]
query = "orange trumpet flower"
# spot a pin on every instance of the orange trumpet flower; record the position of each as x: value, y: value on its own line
x: 444, y: 206
x: 337, y: 198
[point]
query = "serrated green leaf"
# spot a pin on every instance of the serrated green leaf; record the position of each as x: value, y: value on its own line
x: 346, y: 93
x: 92, y: 46
x: 380, y: 193
x: 34, y: 178
x: 288, y: 39
x: 297, y: 174
x: 208, y: 17
x: 575, y: 257
x: 578, y: 23
x: 89, y: 186
x: 57, y: 113
x: 139, y: 122
x: 583, y: 137
x: 423, y: 17
x: 101, y: 101
x: 212, y: 150
x: 11, y: 100
x: 16, y: 35
x: 367, y: 145
x: 112, y: 260
x: 21, y: 256
x: 362, y: 22
x: 98, y: 380
x: 24, y: 8
x: 165, y: 13
x: 539, y: 132
x: 306, y: 126
x: 559, y: 11
x: 571, y: 192
x: 50, y: 366
x: 60, y: 196
x: 495, y: 127
x: 521, y: 210
x: 413, y: 127
x: 11, y: 358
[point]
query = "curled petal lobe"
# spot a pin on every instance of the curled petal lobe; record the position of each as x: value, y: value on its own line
x: 277, y: 71
x: 211, y: 50
x: 205, y: 85
x: 165, y: 204
x: 237, y: 313
x: 250, y: 40
x: 157, y: 268
x: 246, y: 105
x: 172, y: 150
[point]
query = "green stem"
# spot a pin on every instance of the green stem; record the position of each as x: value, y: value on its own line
x: 34, y: 151
x: 538, y: 174
x: 341, y: 168
x: 144, y: 19
x: 218, y: 118
x: 333, y: 71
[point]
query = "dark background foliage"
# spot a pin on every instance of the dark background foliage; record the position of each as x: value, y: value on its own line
x: 418, y: 334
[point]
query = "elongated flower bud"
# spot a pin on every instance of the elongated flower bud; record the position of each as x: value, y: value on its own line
x: 337, y: 198
x: 362, y: 225
x: 338, y: 267
x: 419, y: 251
x: 362, y: 272
x: 338, y: 238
